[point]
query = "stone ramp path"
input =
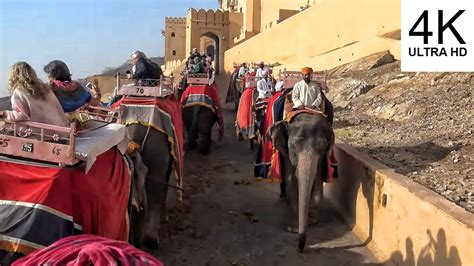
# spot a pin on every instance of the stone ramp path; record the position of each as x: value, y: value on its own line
x: 230, y: 219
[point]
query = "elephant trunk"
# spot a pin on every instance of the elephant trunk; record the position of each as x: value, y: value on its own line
x: 306, y: 174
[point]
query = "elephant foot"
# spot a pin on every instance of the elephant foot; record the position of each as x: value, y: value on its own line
x: 282, y: 198
x: 292, y: 229
x: 151, y: 243
x: 204, y: 150
x: 301, y: 242
x: 312, y: 220
x: 190, y: 145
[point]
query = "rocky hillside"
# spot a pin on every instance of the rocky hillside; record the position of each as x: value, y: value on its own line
x: 421, y: 124
x: 110, y: 72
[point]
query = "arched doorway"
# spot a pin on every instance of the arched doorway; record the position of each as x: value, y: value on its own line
x: 212, y: 48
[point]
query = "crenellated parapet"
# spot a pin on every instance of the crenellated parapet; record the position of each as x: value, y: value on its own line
x: 209, y: 16
x: 175, y: 20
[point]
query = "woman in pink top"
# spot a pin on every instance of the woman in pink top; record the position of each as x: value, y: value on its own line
x: 32, y: 100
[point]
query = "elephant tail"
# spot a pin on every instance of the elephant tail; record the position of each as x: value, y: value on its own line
x: 194, y: 120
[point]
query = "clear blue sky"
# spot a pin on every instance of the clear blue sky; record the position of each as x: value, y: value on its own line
x: 88, y: 35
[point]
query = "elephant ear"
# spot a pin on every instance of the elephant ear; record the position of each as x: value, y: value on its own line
x: 279, y: 134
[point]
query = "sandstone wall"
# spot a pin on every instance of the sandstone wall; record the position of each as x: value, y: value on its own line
x: 328, y: 34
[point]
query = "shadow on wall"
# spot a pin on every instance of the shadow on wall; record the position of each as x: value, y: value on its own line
x: 343, y: 193
x: 434, y: 252
x: 356, y: 178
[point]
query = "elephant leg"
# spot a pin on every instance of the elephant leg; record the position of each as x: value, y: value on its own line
x: 291, y: 195
x: 192, y: 138
x: 156, y: 156
x: 291, y: 198
x: 317, y: 201
x: 207, y: 119
x: 283, y: 191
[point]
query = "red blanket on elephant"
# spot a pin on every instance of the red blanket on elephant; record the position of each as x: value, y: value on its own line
x: 204, y: 95
x: 268, y: 161
x: 89, y: 250
x: 40, y: 205
x: 163, y: 115
x: 245, y: 116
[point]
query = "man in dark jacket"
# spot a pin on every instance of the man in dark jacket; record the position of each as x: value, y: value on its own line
x: 141, y: 69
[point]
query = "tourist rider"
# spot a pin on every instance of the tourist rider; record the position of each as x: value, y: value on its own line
x: 70, y: 93
x: 31, y: 99
x: 141, y: 70
x: 308, y: 94
x: 198, y: 66
x: 264, y: 86
x: 243, y: 70
x: 190, y: 61
x: 260, y: 69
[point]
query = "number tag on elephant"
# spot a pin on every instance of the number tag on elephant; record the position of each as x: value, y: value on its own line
x: 27, y: 147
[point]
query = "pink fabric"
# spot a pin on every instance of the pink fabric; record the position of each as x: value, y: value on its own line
x: 89, y: 250
x: 26, y: 108
x: 65, y: 85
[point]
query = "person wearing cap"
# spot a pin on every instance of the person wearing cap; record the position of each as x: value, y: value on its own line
x: 264, y: 87
x: 309, y: 94
x: 260, y: 69
x: 70, y: 93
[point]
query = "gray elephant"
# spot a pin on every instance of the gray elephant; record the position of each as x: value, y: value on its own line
x: 150, y: 216
x: 303, y: 145
x: 198, y: 122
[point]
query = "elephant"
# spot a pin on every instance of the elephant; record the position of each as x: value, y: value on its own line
x: 303, y: 145
x: 198, y: 121
x: 150, y: 216
x: 153, y: 168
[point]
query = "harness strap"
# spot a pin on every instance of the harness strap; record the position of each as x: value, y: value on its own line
x: 146, y: 137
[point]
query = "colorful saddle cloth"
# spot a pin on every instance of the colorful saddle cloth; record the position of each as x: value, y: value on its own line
x: 40, y: 205
x: 163, y: 115
x: 204, y: 95
x: 245, y: 122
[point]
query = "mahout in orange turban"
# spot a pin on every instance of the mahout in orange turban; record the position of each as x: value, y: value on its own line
x: 306, y: 70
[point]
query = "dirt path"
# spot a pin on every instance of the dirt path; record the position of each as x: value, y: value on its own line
x: 229, y: 222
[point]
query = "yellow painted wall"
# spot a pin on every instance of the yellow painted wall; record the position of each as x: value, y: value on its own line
x: 329, y: 33
x: 176, y: 43
x: 213, y: 24
x: 414, y: 226
x: 270, y: 10
x: 106, y: 84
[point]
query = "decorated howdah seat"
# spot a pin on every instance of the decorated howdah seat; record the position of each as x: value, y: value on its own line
x: 152, y: 103
x: 61, y: 181
x: 146, y: 88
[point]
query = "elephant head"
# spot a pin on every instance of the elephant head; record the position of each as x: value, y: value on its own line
x: 303, y: 144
